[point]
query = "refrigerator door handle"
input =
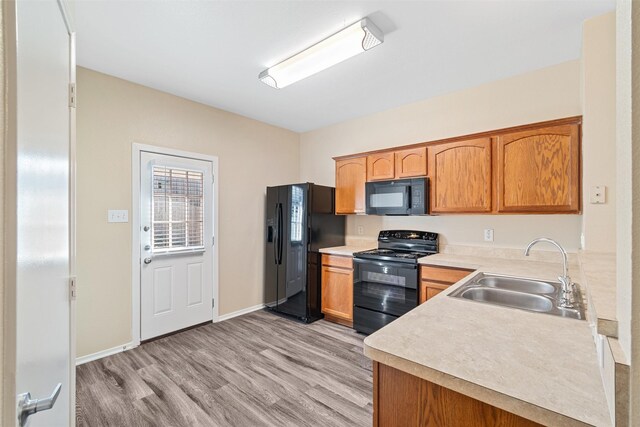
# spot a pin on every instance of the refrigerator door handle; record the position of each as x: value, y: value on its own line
x: 280, y: 225
x: 276, y: 234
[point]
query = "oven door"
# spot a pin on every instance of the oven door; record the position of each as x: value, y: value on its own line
x: 385, y: 287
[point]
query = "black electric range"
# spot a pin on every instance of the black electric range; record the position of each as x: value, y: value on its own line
x: 385, y: 280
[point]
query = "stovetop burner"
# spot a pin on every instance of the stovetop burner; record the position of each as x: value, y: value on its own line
x: 390, y: 255
x: 402, y: 246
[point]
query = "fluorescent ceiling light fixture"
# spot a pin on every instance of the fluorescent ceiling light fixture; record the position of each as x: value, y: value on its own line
x: 350, y: 41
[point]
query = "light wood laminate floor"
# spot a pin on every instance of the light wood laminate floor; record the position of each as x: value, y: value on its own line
x: 255, y: 370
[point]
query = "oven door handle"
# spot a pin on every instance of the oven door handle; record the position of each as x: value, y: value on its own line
x: 385, y: 263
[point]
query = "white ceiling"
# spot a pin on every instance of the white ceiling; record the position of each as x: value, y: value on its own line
x: 213, y: 51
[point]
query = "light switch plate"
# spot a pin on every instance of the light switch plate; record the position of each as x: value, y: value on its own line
x: 598, y: 194
x: 360, y: 230
x: 488, y: 235
x: 115, y: 215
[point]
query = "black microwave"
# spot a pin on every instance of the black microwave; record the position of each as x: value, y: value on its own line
x: 398, y: 197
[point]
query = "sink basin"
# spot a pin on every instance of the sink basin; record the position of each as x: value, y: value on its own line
x: 520, y: 300
x: 517, y: 284
x: 518, y: 292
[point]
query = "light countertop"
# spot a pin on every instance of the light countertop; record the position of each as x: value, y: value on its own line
x: 348, y: 250
x: 538, y: 366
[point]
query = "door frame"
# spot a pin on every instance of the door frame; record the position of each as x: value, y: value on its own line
x: 136, y: 278
x: 8, y: 281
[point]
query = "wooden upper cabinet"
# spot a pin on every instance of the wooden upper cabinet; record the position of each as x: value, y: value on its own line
x: 380, y: 166
x: 411, y: 162
x: 538, y: 170
x: 461, y: 176
x: 351, y: 175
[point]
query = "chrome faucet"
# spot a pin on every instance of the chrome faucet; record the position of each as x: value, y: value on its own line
x: 567, y: 297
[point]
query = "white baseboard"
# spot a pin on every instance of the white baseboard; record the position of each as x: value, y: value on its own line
x: 240, y: 312
x: 104, y: 353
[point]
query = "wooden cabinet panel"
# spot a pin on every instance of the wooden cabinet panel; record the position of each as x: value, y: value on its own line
x: 461, y: 176
x: 443, y: 274
x: 380, y: 166
x: 411, y: 162
x: 434, y: 280
x: 337, y: 261
x: 431, y: 289
x: 351, y: 175
x: 337, y: 292
x: 401, y: 399
x: 539, y: 170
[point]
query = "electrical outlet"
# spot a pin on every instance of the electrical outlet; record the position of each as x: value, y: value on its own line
x: 114, y: 215
x: 598, y: 194
x: 488, y: 234
x: 360, y: 230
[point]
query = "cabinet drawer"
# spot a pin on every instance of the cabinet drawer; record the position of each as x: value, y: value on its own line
x: 337, y: 261
x: 443, y: 274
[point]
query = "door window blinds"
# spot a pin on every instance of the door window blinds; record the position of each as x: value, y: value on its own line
x: 297, y: 209
x: 177, y: 214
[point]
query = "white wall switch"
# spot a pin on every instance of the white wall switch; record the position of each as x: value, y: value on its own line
x: 488, y: 234
x: 360, y: 230
x: 114, y: 215
x: 598, y: 194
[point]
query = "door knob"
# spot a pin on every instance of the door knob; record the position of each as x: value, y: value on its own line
x: 145, y: 228
x: 147, y: 260
x: 28, y: 406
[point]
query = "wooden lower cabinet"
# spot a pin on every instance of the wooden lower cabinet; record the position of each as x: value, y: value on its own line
x: 430, y: 289
x: 434, y: 280
x: 401, y: 399
x: 337, y: 289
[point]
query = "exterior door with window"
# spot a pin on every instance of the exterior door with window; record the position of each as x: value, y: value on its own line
x: 176, y: 226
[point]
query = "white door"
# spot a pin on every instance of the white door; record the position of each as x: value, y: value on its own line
x: 176, y: 226
x: 42, y: 220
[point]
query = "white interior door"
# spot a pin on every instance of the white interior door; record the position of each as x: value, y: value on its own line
x: 43, y: 224
x: 176, y: 226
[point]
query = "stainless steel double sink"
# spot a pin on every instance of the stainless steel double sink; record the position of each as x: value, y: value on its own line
x: 518, y: 292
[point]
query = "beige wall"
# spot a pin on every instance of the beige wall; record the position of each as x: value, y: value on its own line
x: 546, y: 94
x: 599, y: 130
x: 111, y: 115
x: 3, y: 107
x: 635, y: 233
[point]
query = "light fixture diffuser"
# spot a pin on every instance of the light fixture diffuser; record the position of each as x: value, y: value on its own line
x: 350, y: 41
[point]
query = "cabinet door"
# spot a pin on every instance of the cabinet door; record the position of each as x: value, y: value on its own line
x: 461, y: 176
x: 380, y: 166
x: 337, y: 292
x: 351, y: 175
x: 539, y: 170
x: 411, y: 162
x: 431, y: 289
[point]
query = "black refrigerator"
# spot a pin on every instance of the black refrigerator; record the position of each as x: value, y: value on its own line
x: 300, y: 220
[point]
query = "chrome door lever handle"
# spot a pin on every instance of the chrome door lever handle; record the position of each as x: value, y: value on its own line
x: 28, y: 406
x: 147, y: 260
